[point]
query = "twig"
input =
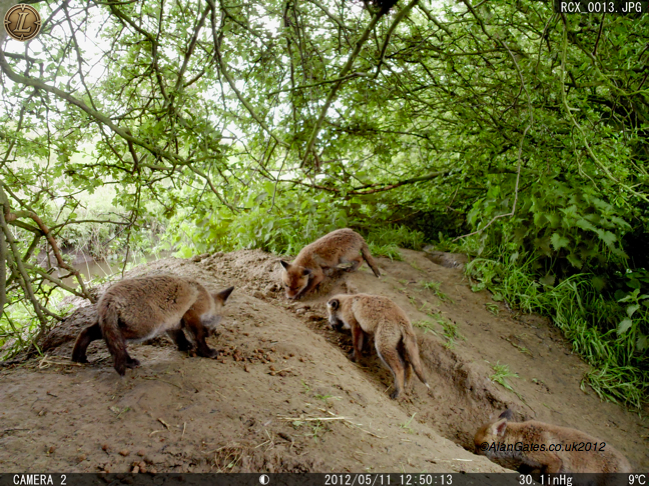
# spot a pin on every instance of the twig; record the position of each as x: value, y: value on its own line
x: 373, y: 187
x: 343, y: 73
x: 396, y: 21
x: 46, y: 360
x: 312, y: 419
x: 52, y: 279
x: 357, y: 426
x: 218, y: 37
x: 54, y: 245
x: 17, y: 261
x: 520, y: 152
x: 568, y: 110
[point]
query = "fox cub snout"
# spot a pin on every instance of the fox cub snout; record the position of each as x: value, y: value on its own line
x: 343, y: 248
x: 141, y: 308
x: 549, y: 447
x: 394, y: 337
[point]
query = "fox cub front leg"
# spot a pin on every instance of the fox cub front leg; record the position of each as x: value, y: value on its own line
x: 192, y: 322
x: 358, y: 341
x: 180, y: 339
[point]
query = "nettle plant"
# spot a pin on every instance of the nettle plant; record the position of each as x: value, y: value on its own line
x: 634, y: 326
x: 567, y: 228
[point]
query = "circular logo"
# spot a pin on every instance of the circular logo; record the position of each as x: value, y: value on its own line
x: 264, y: 479
x: 22, y: 22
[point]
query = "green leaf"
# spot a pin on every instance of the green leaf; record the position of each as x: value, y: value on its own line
x: 634, y: 284
x: 559, y: 241
x: 574, y: 261
x: 631, y: 309
x: 554, y: 219
x: 599, y: 283
x: 624, y: 326
x: 607, y: 237
x: 548, y: 280
x: 585, y: 225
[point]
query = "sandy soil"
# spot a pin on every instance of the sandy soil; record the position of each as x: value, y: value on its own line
x: 284, y: 397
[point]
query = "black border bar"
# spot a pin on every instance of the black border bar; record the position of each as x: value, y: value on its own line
x: 323, y: 479
x: 614, y: 7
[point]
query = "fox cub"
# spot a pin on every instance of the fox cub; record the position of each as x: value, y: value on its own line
x: 598, y: 457
x: 141, y: 308
x: 394, y: 338
x: 317, y: 259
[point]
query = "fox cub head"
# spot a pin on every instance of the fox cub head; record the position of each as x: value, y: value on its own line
x: 335, y: 321
x: 295, y: 278
x: 492, y: 432
x: 219, y: 298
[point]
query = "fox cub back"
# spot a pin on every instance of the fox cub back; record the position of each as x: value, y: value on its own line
x: 394, y: 337
x: 315, y: 261
x: 141, y: 308
x: 536, y: 443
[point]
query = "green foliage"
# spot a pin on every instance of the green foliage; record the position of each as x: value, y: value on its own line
x: 493, y: 308
x: 390, y: 251
x: 563, y: 226
x: 399, y: 236
x: 426, y: 325
x: 263, y: 221
x: 611, y: 338
x: 19, y: 325
x: 386, y: 240
x: 281, y: 222
x: 406, y: 425
x: 450, y: 331
x: 435, y: 287
x: 502, y: 374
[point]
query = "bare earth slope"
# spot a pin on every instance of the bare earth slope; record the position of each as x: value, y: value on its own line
x: 284, y: 397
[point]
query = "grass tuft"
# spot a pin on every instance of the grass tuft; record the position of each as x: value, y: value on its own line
x: 435, y: 287
x: 611, y: 338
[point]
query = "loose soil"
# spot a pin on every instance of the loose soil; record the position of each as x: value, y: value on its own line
x: 284, y: 397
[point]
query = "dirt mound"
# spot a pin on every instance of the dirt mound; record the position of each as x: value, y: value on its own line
x: 283, y: 396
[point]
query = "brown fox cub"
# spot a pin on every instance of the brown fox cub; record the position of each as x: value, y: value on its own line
x: 394, y: 338
x: 316, y: 260
x: 535, y: 444
x: 141, y: 308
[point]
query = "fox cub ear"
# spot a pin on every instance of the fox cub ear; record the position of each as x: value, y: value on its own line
x: 223, y: 295
x: 306, y: 272
x: 286, y: 265
x: 334, y: 304
x: 508, y: 414
x: 499, y: 427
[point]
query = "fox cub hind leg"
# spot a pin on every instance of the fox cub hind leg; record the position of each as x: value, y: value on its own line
x: 393, y: 360
x: 88, y: 335
x: 131, y: 362
x: 355, y: 263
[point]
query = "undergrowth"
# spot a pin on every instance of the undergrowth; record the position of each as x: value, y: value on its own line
x: 283, y: 224
x: 609, y: 332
